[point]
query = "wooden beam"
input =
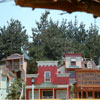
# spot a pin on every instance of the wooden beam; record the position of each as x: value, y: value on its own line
x: 89, y: 6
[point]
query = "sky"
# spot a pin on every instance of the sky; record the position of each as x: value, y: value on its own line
x: 28, y: 17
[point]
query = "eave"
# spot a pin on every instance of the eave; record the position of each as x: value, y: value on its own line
x: 89, y: 6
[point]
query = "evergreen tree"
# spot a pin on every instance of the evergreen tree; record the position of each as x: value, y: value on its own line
x: 48, y: 40
x: 13, y: 38
x: 15, y: 90
x: 51, y: 40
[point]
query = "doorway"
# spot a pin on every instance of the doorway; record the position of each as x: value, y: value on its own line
x: 47, y: 95
x: 90, y: 94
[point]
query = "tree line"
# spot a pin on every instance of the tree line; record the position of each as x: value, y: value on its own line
x: 50, y: 40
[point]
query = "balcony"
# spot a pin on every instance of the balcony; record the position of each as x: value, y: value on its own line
x: 15, y: 67
x: 73, y: 66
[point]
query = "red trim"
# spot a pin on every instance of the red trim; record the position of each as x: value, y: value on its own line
x: 54, y: 93
x: 69, y: 92
x: 40, y: 94
x: 27, y: 93
x: 41, y: 90
x: 73, y: 54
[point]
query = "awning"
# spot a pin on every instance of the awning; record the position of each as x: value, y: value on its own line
x: 46, y: 85
x: 73, y: 59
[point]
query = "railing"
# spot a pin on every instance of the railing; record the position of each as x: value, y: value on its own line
x: 15, y: 67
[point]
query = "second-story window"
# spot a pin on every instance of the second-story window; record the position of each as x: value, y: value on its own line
x: 73, y: 63
x: 47, y: 76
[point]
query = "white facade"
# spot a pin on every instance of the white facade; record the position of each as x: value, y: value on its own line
x: 61, y: 69
x: 17, y: 63
x: 3, y: 87
x: 47, y: 63
x: 5, y: 83
x: 74, y: 59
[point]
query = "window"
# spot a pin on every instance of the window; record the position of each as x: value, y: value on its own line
x: 89, y: 65
x: 79, y: 94
x: 73, y: 63
x: 89, y: 94
x: 72, y: 74
x: 3, y: 78
x: 47, y: 76
x: 84, y: 94
x: 85, y: 65
x: 47, y: 94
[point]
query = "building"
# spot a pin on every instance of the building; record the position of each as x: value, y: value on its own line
x: 84, y: 76
x: 87, y: 84
x: 14, y: 66
x: 78, y: 77
x: 72, y: 63
x: 17, y: 64
x: 48, y: 82
x: 6, y: 79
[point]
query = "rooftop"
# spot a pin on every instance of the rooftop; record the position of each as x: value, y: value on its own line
x: 89, y: 6
x: 73, y: 54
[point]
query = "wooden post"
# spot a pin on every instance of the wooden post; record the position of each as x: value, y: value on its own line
x: 86, y: 94
x: 67, y: 93
x: 77, y: 94
x: 93, y: 94
x: 81, y: 94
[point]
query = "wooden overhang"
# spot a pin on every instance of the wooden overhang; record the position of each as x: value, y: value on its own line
x: 89, y: 6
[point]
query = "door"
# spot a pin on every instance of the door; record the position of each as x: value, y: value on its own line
x: 61, y: 94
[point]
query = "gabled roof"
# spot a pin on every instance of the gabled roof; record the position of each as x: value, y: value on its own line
x: 93, y: 65
x: 14, y: 56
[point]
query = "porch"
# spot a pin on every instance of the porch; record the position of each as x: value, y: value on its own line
x: 48, y: 91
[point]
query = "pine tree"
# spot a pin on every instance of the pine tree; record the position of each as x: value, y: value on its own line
x: 13, y: 38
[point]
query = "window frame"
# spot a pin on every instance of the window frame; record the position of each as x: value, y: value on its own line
x: 47, y: 91
x: 73, y: 63
x: 45, y: 78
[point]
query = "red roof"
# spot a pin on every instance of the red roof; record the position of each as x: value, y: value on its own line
x: 73, y: 54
